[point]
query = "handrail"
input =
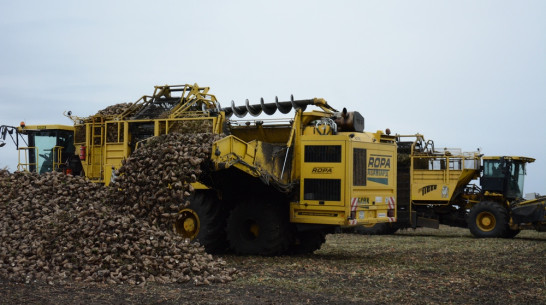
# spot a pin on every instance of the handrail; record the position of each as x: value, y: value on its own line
x: 57, y: 157
x: 25, y: 166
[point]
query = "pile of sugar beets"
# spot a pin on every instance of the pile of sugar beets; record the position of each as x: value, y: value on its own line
x: 114, y: 110
x: 56, y: 227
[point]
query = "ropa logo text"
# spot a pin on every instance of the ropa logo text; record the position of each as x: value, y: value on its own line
x: 379, y: 168
x: 379, y: 162
x: 322, y: 170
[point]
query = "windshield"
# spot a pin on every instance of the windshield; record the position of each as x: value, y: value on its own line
x: 504, y: 176
x: 492, y: 168
x: 515, y: 184
x: 49, y: 149
x: 44, y: 144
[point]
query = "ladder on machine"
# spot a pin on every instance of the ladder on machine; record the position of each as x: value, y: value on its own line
x: 96, y: 147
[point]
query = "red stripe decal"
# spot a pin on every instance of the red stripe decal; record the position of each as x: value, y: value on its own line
x: 353, y: 204
x: 390, y: 202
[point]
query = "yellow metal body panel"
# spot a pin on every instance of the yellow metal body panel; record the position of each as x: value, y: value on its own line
x: 366, y: 173
x: 276, y: 134
x: 108, y: 139
x: 524, y: 159
x: 436, y: 178
x: 369, y: 200
x: 364, y: 214
x: 232, y: 151
x: 107, y: 143
x: 44, y: 127
x: 325, y: 170
x: 199, y: 186
x: 318, y: 214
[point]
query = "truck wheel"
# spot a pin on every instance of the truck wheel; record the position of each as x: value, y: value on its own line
x: 254, y: 228
x: 212, y: 219
x: 488, y: 219
x: 307, y: 242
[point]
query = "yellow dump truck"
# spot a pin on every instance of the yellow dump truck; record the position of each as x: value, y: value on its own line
x: 275, y: 185
x: 438, y: 187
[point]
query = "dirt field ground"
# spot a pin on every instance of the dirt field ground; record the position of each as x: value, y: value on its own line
x: 446, y: 266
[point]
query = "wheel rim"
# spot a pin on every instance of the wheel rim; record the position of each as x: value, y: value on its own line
x: 187, y: 224
x: 486, y: 221
x: 251, y: 230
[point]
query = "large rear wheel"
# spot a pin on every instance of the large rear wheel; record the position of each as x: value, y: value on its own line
x: 257, y: 228
x: 488, y: 219
x: 307, y: 242
x: 206, y: 219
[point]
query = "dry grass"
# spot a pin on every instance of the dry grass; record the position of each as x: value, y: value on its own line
x: 446, y: 266
x: 424, y: 266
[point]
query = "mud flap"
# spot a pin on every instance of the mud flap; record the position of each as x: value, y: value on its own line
x: 529, y: 213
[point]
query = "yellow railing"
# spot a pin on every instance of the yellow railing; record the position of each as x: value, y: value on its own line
x: 24, y: 166
x: 57, y: 157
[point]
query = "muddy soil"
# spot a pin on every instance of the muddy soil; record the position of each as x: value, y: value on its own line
x: 446, y: 266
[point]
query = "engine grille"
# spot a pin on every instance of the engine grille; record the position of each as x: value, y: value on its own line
x: 359, y: 167
x: 322, y: 189
x: 323, y: 153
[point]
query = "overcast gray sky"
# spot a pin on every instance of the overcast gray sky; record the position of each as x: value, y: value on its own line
x: 466, y: 74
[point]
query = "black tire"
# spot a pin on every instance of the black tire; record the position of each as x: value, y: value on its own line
x: 488, y: 219
x: 377, y: 229
x: 256, y: 228
x: 391, y: 228
x: 307, y: 242
x: 509, y: 233
x: 212, y: 221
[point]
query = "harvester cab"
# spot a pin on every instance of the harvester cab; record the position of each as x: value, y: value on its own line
x: 49, y: 148
x: 504, y: 175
